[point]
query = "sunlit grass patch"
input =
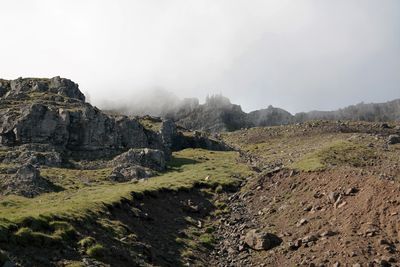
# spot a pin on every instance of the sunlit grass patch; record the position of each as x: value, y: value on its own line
x: 334, y: 154
x: 188, y: 168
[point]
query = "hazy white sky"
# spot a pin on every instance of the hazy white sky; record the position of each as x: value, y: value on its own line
x: 296, y: 54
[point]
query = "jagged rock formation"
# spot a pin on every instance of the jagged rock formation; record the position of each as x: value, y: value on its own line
x: 270, y: 116
x: 53, y: 111
x: 219, y: 114
x: 374, y: 112
x: 46, y: 122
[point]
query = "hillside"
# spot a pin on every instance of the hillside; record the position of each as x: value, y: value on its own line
x: 219, y: 114
x: 71, y: 178
x: 83, y: 187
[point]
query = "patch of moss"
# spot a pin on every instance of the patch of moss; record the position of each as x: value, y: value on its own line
x: 87, y: 242
x: 188, y: 254
x: 63, y: 229
x: 207, y: 240
x: 96, y: 251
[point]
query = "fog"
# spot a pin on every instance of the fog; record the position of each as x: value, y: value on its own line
x: 299, y: 55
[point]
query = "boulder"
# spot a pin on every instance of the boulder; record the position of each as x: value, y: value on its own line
x: 150, y: 158
x: 124, y: 173
x: 259, y: 240
x: 26, y: 182
x: 394, y: 139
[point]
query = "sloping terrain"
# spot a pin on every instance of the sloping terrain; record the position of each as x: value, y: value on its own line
x: 330, y: 191
x: 219, y: 114
x: 81, y: 187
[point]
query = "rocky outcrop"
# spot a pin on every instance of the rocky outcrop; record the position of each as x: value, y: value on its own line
x: 137, y: 164
x: 56, y: 85
x: 270, y: 116
x: 217, y: 114
x: 150, y: 158
x: 26, y: 182
x: 46, y: 122
x: 53, y: 111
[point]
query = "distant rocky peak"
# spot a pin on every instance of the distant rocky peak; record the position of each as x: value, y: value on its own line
x: 55, y: 85
x: 217, y: 101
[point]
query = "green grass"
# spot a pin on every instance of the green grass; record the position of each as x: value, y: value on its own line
x: 27, y: 237
x: 87, y: 242
x: 207, y: 240
x: 96, y: 251
x: 335, y: 154
x: 74, y: 179
x: 150, y: 124
x: 187, y: 169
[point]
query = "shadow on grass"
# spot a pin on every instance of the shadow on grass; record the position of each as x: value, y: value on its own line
x: 177, y: 162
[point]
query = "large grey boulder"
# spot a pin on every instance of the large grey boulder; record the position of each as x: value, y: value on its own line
x: 125, y: 173
x: 259, y: 240
x: 150, y: 158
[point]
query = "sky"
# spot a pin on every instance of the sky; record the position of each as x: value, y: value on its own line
x: 299, y: 55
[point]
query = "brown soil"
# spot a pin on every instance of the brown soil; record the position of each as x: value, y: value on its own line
x: 361, y: 228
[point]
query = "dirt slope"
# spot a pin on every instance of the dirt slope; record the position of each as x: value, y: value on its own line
x: 329, y: 191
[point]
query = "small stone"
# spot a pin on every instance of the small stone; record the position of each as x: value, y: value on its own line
x: 295, y: 245
x: 310, y: 238
x: 351, y: 191
x: 327, y: 233
x: 301, y: 222
x: 333, y: 196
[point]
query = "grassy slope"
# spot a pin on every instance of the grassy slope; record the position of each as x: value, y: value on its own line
x: 188, y: 167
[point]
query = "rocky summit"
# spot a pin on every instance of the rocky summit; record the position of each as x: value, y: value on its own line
x: 84, y: 187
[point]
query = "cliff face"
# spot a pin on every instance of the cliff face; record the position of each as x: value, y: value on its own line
x: 54, y: 112
x: 219, y: 114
